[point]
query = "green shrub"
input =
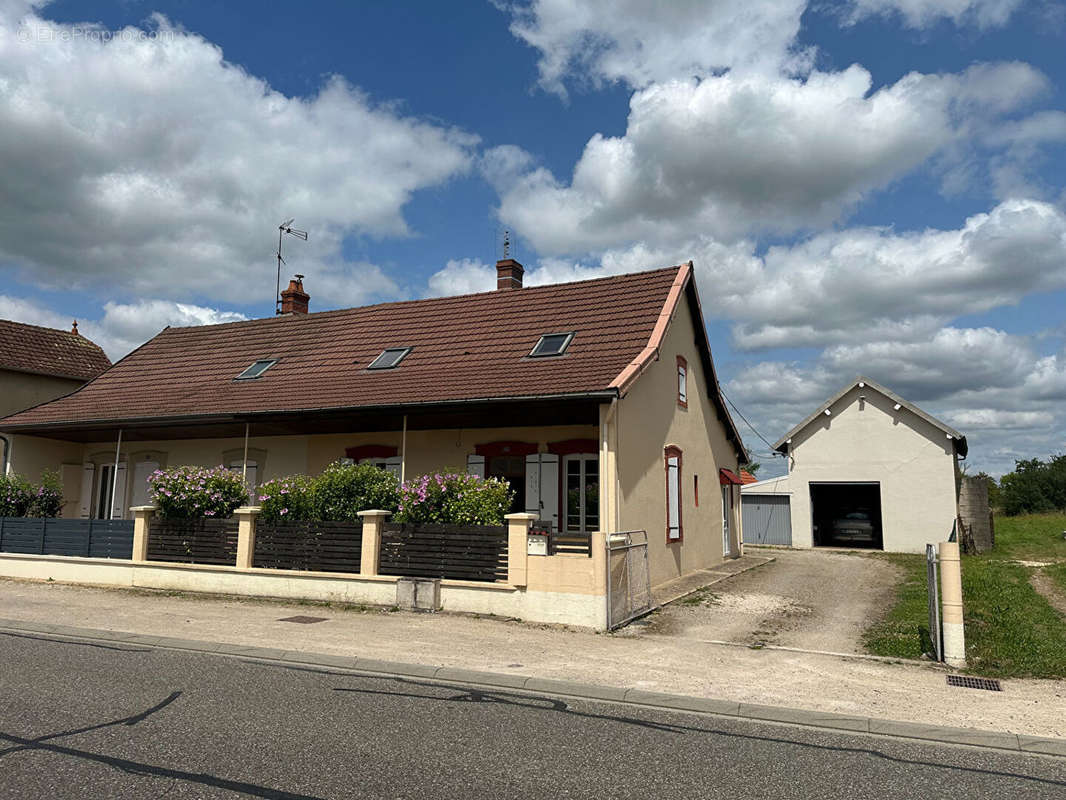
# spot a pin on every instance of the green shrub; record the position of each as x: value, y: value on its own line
x: 454, y: 499
x: 286, y: 499
x: 343, y: 490
x: 1035, y: 486
x: 16, y: 495
x: 192, y: 492
x: 48, y: 498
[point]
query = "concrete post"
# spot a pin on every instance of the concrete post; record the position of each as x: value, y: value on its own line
x: 142, y: 516
x: 246, y: 535
x: 370, y: 553
x: 951, y: 594
x: 518, y: 526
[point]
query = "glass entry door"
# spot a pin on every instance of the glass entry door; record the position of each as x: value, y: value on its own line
x: 581, y: 474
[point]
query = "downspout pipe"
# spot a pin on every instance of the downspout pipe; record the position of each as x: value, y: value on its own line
x: 114, y: 475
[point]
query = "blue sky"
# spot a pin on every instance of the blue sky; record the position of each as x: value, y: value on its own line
x: 874, y: 186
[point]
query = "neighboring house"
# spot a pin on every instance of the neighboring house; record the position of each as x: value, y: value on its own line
x: 866, y: 469
x: 596, y: 400
x: 39, y: 364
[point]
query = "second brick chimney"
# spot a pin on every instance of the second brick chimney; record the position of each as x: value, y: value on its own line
x: 294, y: 300
x: 509, y: 274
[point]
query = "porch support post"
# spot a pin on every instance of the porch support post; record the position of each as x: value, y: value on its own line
x: 246, y: 535
x: 142, y: 520
x: 609, y: 519
x: 114, y: 478
x: 951, y: 592
x: 518, y: 526
x: 370, y: 554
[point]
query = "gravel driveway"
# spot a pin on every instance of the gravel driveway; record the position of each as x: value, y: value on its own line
x: 810, y: 599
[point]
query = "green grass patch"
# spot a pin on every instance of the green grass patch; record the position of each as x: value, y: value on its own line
x: 897, y: 634
x: 1030, y: 537
x: 1011, y: 630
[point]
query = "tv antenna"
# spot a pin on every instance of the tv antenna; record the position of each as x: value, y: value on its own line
x: 284, y: 228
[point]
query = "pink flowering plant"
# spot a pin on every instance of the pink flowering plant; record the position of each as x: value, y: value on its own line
x: 195, y: 492
x: 47, y: 498
x: 454, y: 498
x: 16, y: 495
x: 285, y: 499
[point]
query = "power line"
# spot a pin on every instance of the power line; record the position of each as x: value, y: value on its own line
x: 773, y: 453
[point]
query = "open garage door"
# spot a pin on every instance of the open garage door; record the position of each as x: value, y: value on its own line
x: 847, y: 515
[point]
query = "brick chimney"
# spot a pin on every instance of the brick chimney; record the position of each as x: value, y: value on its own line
x: 509, y: 274
x: 294, y: 299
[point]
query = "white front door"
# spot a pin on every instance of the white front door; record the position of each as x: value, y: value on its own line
x: 727, y: 513
x: 542, y: 487
x: 582, y: 486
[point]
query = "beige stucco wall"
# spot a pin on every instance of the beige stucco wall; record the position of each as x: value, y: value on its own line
x: 19, y: 390
x: 649, y: 418
x: 913, y: 462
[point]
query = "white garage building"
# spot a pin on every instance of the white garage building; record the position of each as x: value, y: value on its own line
x: 866, y: 469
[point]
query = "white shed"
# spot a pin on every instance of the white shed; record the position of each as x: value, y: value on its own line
x: 867, y: 469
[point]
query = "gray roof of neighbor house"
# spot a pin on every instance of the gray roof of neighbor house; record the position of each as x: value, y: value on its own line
x: 48, y: 351
x: 960, y: 440
x: 465, y: 349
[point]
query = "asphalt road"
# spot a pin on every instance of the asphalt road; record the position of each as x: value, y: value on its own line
x: 97, y: 720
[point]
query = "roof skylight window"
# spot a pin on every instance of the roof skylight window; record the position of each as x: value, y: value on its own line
x: 257, y: 369
x: 390, y: 358
x: 552, y: 344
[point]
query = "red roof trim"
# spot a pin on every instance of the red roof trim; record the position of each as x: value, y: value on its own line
x: 571, y: 447
x: 727, y: 477
x: 490, y: 449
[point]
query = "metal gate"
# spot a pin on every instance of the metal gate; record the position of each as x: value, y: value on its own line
x: 628, y: 580
x: 767, y: 518
x: 936, y: 634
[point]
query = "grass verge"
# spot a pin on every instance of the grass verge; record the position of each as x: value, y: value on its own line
x: 1011, y: 630
x: 1058, y: 574
x: 1030, y: 537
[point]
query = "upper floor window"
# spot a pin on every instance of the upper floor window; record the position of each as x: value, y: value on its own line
x: 390, y: 358
x: 552, y: 344
x: 682, y: 382
x: 257, y: 369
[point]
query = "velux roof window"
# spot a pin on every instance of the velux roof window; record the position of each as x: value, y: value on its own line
x: 257, y: 369
x: 552, y: 344
x: 390, y: 358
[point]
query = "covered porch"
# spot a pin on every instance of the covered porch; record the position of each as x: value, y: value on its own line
x: 557, y: 454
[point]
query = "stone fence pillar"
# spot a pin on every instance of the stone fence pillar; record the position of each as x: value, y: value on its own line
x: 142, y: 520
x: 518, y: 526
x: 246, y: 535
x: 370, y: 553
x: 951, y: 594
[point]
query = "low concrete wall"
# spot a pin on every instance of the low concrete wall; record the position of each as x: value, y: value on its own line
x: 566, y: 607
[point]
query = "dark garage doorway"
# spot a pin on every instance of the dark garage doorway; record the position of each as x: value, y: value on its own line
x: 847, y: 515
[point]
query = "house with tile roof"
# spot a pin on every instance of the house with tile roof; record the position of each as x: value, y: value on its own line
x: 597, y: 400
x: 39, y: 364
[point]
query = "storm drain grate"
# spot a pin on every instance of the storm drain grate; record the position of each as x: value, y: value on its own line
x: 303, y: 620
x: 990, y: 684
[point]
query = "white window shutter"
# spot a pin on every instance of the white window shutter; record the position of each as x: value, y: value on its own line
x: 141, y: 472
x: 673, y: 498
x: 393, y: 465
x: 475, y: 465
x: 85, y: 504
x: 118, y: 509
x: 533, y: 484
x: 549, y: 488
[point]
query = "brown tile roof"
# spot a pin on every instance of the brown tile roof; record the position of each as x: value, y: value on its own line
x: 746, y: 477
x: 464, y: 348
x: 47, y: 351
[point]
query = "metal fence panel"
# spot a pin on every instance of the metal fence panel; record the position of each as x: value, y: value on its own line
x: 628, y: 579
x: 935, y: 633
x: 767, y: 518
x: 95, y: 538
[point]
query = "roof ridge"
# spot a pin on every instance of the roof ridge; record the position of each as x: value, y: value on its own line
x: 396, y: 303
